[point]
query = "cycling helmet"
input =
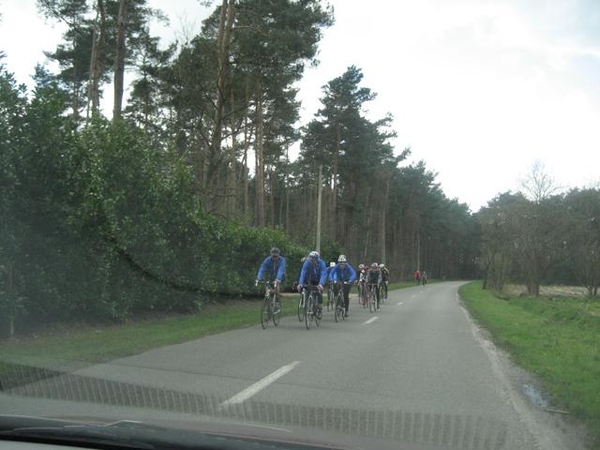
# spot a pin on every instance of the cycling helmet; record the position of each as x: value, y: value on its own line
x: 314, y: 255
x: 275, y: 251
x: 381, y: 266
x: 374, y: 266
x: 342, y: 259
x: 331, y: 264
x: 361, y: 266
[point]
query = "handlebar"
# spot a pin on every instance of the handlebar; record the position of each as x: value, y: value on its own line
x: 309, y: 287
x: 271, y: 284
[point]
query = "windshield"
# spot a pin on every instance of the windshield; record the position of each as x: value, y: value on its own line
x: 300, y: 223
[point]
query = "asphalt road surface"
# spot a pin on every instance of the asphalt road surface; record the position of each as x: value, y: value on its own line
x: 417, y: 370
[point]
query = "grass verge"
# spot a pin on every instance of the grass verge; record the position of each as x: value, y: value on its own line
x: 558, y: 339
x: 104, y: 343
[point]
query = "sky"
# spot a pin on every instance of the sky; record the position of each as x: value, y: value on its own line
x: 479, y: 89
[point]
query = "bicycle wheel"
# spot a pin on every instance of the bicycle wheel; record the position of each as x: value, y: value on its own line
x: 317, y: 315
x: 339, y: 308
x: 265, y: 312
x: 276, y: 310
x: 301, y: 307
x: 330, y: 298
x: 372, y: 300
x: 308, y: 313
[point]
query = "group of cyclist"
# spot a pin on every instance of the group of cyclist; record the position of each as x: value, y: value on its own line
x: 373, y: 276
x: 315, y: 272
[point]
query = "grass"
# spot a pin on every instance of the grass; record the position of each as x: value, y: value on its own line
x: 558, y: 339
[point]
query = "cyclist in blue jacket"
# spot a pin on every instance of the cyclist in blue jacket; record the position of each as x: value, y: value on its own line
x: 345, y: 273
x: 274, y: 267
x: 313, y: 272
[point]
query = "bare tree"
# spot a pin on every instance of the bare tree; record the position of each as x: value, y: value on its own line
x: 538, y: 184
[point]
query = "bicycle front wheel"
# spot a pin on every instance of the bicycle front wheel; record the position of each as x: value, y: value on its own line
x: 276, y: 311
x: 265, y: 312
x: 308, y: 312
x: 372, y: 301
x: 338, y: 313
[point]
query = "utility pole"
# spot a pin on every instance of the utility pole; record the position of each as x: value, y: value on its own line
x: 320, y: 188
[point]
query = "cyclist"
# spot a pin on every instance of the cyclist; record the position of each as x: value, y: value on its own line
x: 423, y: 278
x: 361, y: 283
x: 385, y: 275
x: 314, y: 272
x: 330, y: 284
x: 417, y: 277
x: 329, y: 269
x: 274, y: 267
x: 374, y: 277
x: 344, y: 272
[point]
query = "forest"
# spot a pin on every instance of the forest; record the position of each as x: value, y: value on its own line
x: 174, y: 200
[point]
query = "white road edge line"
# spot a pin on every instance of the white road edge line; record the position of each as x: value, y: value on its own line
x: 400, y: 303
x: 259, y: 385
x: 371, y: 320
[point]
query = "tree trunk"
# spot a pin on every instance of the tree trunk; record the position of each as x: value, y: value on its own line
x: 223, y: 45
x: 383, y: 218
x: 232, y: 175
x: 120, y: 60
x: 260, y: 161
x: 367, y: 222
x: 96, y: 58
x: 334, y: 187
x: 287, y: 211
x: 272, y: 213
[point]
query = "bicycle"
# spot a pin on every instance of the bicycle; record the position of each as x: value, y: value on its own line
x: 372, y: 297
x: 339, y: 307
x: 311, y: 313
x: 271, y: 309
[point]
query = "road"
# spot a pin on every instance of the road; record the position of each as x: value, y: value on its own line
x: 418, y: 369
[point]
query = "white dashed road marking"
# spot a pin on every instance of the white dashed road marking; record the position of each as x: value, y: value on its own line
x: 260, y: 385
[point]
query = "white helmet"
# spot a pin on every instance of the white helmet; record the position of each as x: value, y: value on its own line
x: 342, y: 258
x: 314, y: 255
x: 331, y: 264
